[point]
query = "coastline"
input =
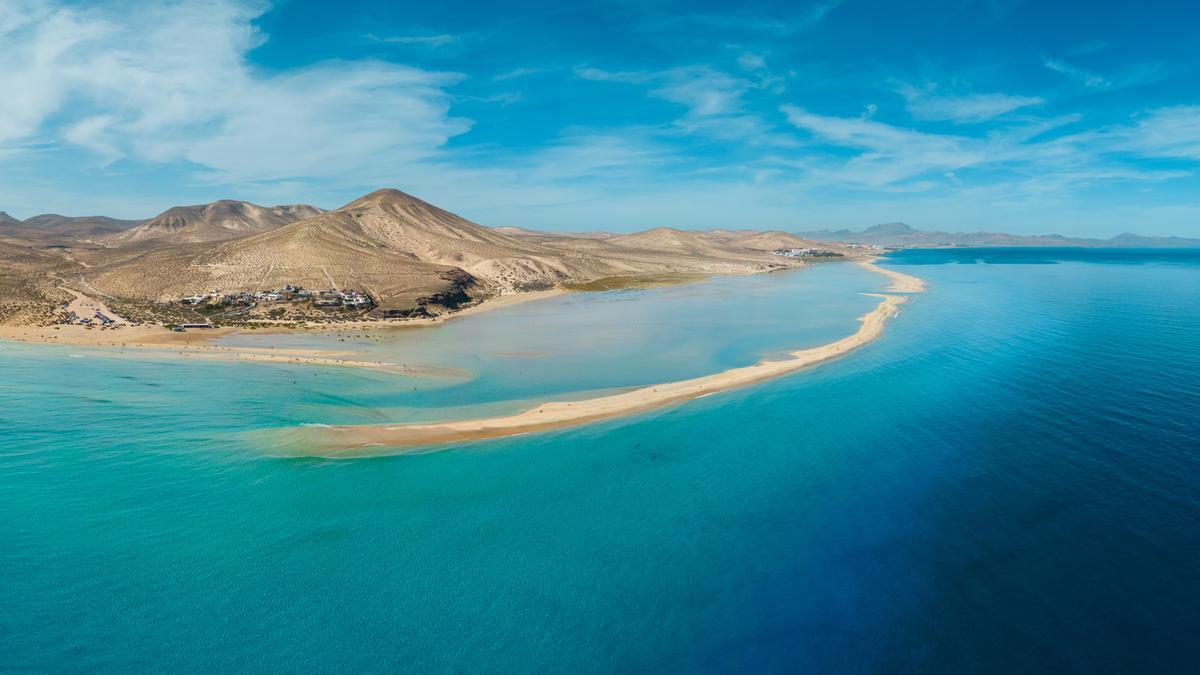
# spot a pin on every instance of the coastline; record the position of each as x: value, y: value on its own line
x: 368, y: 440
x: 200, y: 343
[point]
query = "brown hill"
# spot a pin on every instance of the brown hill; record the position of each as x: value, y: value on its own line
x: 406, y: 253
x: 729, y: 235
x: 772, y: 240
x: 218, y: 221
x: 668, y: 239
x: 76, y: 227
x: 397, y: 247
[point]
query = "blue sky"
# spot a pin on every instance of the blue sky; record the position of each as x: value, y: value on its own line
x: 1051, y: 116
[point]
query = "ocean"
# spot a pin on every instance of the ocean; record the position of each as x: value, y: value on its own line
x: 1007, y: 481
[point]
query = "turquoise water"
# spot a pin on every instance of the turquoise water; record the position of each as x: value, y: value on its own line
x: 1006, y: 481
x: 577, y: 344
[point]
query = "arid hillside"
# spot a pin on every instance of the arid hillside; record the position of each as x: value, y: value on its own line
x: 407, y: 254
x: 51, y: 228
x: 28, y: 282
x: 774, y: 239
x: 410, y: 257
x: 218, y: 221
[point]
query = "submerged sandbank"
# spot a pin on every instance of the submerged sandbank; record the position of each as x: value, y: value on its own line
x: 366, y: 440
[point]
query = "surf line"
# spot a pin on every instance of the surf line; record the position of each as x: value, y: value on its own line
x: 366, y: 440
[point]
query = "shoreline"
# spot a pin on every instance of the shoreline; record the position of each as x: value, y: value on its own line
x: 371, y: 440
x: 201, y: 343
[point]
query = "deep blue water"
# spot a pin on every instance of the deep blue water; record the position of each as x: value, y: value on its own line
x: 1008, y: 481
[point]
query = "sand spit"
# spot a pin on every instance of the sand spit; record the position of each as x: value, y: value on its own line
x: 367, y: 440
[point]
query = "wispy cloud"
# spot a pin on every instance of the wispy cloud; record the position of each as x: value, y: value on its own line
x: 893, y: 157
x: 626, y: 76
x: 515, y: 73
x: 782, y: 25
x: 964, y: 109
x: 752, y: 61
x: 713, y: 100
x: 888, y: 154
x: 504, y: 98
x: 171, y: 84
x: 1086, y: 77
x: 820, y: 10
x: 425, y: 40
x: 1171, y: 132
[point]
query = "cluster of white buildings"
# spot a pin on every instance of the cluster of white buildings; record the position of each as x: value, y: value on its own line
x: 291, y: 293
x: 349, y: 299
x: 98, y: 319
x: 805, y: 253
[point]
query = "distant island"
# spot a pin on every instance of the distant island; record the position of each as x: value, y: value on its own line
x: 899, y: 235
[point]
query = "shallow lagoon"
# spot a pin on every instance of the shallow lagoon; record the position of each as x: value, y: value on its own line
x: 582, y: 343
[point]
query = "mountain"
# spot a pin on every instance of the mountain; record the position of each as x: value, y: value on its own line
x: 408, y: 254
x: 903, y: 236
x: 1127, y: 240
x: 218, y: 221
x: 77, y: 227
x: 7, y: 220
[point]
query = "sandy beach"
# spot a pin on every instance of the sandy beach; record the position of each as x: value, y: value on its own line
x: 364, y: 440
x: 201, y: 343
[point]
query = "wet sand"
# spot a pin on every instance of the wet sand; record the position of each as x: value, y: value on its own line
x: 367, y: 440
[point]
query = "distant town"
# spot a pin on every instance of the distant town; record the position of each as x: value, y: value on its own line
x: 199, y: 310
x: 809, y: 252
x: 806, y: 253
x: 330, y: 299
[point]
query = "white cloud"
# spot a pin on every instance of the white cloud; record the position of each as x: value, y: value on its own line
x: 969, y: 109
x: 752, y: 61
x: 893, y: 158
x: 627, y: 76
x: 426, y: 40
x: 515, y: 73
x: 1089, y: 79
x: 714, y: 100
x: 820, y: 10
x: 171, y: 83
x: 704, y: 91
x: 888, y: 154
x: 1166, y: 132
x: 755, y: 21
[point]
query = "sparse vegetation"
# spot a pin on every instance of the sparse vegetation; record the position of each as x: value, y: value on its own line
x: 634, y: 281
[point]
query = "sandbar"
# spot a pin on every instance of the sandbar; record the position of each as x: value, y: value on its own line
x: 367, y: 440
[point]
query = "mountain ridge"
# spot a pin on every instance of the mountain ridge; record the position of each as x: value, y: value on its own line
x: 214, y: 221
x: 408, y: 254
x: 902, y: 235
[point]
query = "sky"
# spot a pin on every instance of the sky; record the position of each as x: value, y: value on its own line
x: 1079, y: 118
